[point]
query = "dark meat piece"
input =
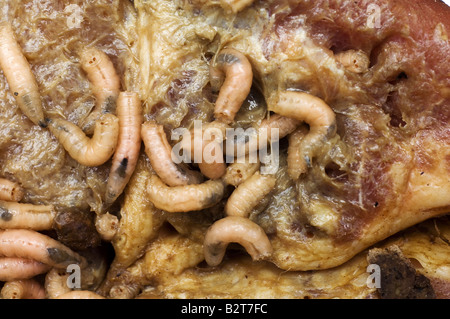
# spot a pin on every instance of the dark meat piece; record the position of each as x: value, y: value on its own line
x: 399, y: 279
x: 76, y: 229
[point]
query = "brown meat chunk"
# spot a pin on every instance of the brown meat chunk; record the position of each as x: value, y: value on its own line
x: 399, y: 279
x: 76, y: 229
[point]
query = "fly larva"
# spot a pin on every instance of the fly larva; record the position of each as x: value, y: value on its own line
x: 282, y: 124
x: 124, y: 291
x: 14, y: 268
x: 235, y: 229
x: 21, y: 80
x: 87, y: 151
x: 23, y: 289
x: 107, y: 226
x: 270, y: 130
x: 355, y: 61
x: 236, y: 87
x: 248, y: 194
x: 237, y: 172
x: 129, y: 112
x: 105, y: 84
x: 315, y: 112
x: 27, y: 216
x: 210, y: 147
x: 295, y: 162
x: 159, y: 153
x: 30, y: 244
x: 55, y: 283
x: 10, y: 191
x: 213, y: 165
x: 184, y: 198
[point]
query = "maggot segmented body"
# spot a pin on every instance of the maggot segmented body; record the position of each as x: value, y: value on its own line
x: 124, y: 291
x: 236, y: 87
x: 87, y: 151
x: 20, y: 77
x: 184, y: 198
x: 159, y: 153
x: 107, y: 226
x: 295, y: 161
x: 315, y: 112
x: 237, y: 230
x: 205, y: 145
x: 10, y: 191
x: 213, y: 165
x: 15, y: 268
x: 31, y: 244
x: 59, y: 284
x: 28, y: 216
x: 23, y: 289
x: 105, y: 84
x: 282, y: 125
x: 354, y: 60
x: 248, y: 194
x: 238, y: 172
x: 55, y: 283
x: 129, y: 112
x: 271, y: 130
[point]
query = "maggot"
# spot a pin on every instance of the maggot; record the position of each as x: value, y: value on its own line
x: 314, y: 111
x: 159, y: 153
x: 271, y: 130
x: 87, y: 151
x: 33, y: 245
x: 26, y: 216
x: 129, y: 112
x: 105, y: 84
x: 204, y: 144
x: 23, y: 289
x: 355, y: 61
x: 248, y: 194
x: 237, y: 84
x: 238, y: 230
x: 10, y: 191
x: 238, y: 172
x: 20, y: 77
x: 184, y: 198
x: 107, y: 225
x: 15, y: 268
x: 295, y: 161
x: 55, y: 283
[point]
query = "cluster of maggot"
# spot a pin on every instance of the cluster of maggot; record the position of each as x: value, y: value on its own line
x: 117, y: 127
x: 25, y: 251
x: 176, y: 188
